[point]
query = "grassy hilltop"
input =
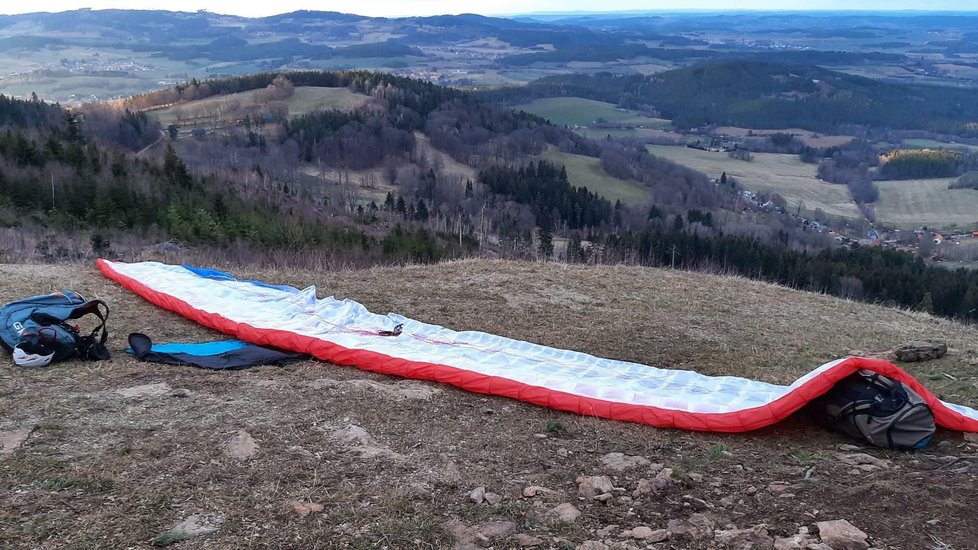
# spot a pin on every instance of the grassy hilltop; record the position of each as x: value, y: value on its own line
x: 392, y: 461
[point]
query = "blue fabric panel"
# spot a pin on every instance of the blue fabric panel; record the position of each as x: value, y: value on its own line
x: 222, y: 276
x: 203, y: 348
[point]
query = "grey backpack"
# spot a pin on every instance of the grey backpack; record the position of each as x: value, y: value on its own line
x: 44, y: 322
x: 871, y: 407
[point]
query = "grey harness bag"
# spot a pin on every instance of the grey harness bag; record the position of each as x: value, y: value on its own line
x: 871, y: 407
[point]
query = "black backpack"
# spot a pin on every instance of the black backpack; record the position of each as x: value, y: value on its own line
x: 42, y: 321
x: 871, y: 407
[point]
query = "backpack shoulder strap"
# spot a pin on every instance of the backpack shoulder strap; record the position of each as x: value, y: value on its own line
x: 94, y: 307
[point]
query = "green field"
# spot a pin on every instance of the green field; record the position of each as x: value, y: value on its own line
x: 635, y: 133
x: 782, y: 174
x: 928, y: 202
x: 587, y: 172
x: 576, y: 111
x: 219, y: 109
x: 934, y: 144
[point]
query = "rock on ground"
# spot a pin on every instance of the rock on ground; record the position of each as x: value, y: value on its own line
x: 744, y: 539
x: 13, y: 439
x: 566, y: 512
x: 241, y: 446
x: 651, y: 486
x: 359, y: 440
x: 527, y: 541
x: 193, y: 526
x: 794, y: 542
x: 920, y: 350
x: 620, y: 462
x: 591, y: 486
x: 841, y: 535
x: 863, y: 459
x: 696, y: 527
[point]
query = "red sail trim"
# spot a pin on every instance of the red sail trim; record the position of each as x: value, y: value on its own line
x: 736, y: 421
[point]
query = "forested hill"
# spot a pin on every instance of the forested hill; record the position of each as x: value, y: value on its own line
x: 765, y: 95
x: 396, y: 168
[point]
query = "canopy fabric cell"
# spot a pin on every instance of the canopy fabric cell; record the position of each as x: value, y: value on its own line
x: 345, y: 333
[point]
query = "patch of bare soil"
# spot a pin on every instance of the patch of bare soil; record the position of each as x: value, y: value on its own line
x: 129, y: 454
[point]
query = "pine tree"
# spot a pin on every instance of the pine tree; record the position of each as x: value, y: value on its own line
x: 926, y: 303
x: 545, y: 234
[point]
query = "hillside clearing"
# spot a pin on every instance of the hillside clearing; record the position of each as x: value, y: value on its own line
x: 783, y: 174
x: 577, y: 111
x: 221, y: 109
x: 391, y: 462
x: 812, y: 139
x: 587, y: 172
x: 926, y: 202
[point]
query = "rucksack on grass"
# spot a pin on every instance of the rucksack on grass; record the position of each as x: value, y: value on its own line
x: 871, y: 407
x: 36, y: 330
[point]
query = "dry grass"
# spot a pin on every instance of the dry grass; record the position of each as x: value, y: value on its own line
x: 101, y: 470
x: 926, y: 203
x: 783, y: 174
x: 812, y: 139
x: 304, y: 100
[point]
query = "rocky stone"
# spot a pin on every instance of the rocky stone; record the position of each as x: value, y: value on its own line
x: 592, y: 545
x: 920, y: 350
x: 305, y: 508
x: 658, y: 535
x: 359, y: 440
x: 241, y: 446
x: 193, y: 526
x: 647, y: 534
x: 464, y: 535
x: 863, y: 459
x: 651, y: 486
x: 697, y: 527
x: 566, y: 512
x: 478, y: 495
x: 536, y: 490
x: 665, y: 473
x: 590, y: 487
x: 697, y: 504
x: 744, y: 539
x: 527, y: 541
x: 818, y: 546
x: 727, y: 502
x: 147, y: 390
x: 493, y: 499
x: 794, y: 542
x: 496, y: 529
x: 841, y: 535
x: 14, y: 438
x: 620, y: 462
x: 449, y: 472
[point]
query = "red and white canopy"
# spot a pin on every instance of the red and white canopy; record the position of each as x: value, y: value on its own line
x: 345, y: 333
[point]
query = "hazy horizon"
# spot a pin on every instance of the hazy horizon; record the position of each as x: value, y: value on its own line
x: 395, y: 8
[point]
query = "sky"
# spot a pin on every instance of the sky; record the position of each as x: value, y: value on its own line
x: 395, y: 8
